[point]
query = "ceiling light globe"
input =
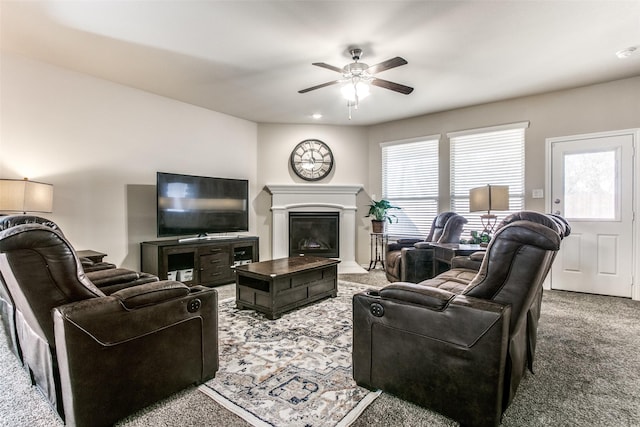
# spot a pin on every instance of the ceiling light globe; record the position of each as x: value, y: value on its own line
x: 349, y: 91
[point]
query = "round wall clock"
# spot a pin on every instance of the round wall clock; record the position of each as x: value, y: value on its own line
x: 312, y: 160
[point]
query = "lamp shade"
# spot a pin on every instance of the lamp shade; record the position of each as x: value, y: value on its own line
x: 22, y: 195
x: 488, y: 198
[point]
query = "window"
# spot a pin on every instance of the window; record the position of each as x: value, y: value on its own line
x: 591, y: 187
x: 493, y: 156
x: 410, y: 181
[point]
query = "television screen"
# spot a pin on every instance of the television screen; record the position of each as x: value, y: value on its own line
x: 199, y: 205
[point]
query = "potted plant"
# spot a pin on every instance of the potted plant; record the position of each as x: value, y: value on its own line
x: 379, y: 211
x: 479, y: 238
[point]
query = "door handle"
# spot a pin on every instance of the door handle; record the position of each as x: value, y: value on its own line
x: 556, y: 201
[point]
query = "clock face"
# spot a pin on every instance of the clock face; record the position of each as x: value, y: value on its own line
x: 312, y: 160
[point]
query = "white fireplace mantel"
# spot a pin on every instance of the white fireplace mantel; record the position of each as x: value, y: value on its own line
x: 316, y: 198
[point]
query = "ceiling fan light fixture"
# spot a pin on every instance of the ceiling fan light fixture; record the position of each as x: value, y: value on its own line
x: 357, y: 76
x: 354, y: 91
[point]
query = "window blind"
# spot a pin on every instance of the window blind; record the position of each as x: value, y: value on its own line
x: 487, y: 156
x: 410, y: 181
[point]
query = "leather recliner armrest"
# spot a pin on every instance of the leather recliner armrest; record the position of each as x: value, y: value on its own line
x: 462, y: 320
x: 88, y: 265
x: 414, y: 352
x: 151, y: 293
x: 114, y: 360
x: 112, y: 276
x: 471, y: 262
x: 425, y: 296
x: 423, y: 245
x: 402, y: 243
x: 477, y: 256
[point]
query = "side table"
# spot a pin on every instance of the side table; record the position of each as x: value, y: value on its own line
x: 378, y: 246
x: 443, y: 253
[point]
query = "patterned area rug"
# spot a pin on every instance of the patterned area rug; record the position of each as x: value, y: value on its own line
x: 293, y: 371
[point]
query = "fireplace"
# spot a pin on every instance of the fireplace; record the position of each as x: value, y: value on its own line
x: 314, y: 233
x: 316, y: 198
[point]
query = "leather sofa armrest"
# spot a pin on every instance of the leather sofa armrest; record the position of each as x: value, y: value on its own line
x: 462, y: 321
x: 425, y: 296
x: 423, y: 245
x: 470, y: 262
x: 112, y: 276
x: 145, y: 354
x: 477, y: 256
x: 151, y: 293
x: 112, y: 280
x: 402, y: 243
x: 88, y: 265
x: 409, y: 241
x: 415, y: 352
x: 108, y: 321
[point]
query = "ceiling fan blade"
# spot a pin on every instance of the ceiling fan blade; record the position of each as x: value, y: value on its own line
x: 392, y: 86
x: 328, y: 67
x: 318, y: 86
x: 389, y: 63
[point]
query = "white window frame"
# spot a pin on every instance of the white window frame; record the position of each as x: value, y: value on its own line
x: 487, y: 165
x: 419, y: 199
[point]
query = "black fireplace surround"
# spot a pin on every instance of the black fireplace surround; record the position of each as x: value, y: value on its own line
x: 314, y: 233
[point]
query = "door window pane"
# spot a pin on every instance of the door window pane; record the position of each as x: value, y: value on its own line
x: 590, y: 185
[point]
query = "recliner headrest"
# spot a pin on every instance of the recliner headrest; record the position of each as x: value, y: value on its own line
x: 10, y: 221
x: 441, y: 219
x: 548, y: 220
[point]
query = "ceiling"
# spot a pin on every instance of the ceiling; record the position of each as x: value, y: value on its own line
x: 249, y: 58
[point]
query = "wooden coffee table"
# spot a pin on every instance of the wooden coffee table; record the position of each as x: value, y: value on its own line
x: 276, y: 286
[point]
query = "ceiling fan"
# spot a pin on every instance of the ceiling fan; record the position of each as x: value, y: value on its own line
x: 359, y: 72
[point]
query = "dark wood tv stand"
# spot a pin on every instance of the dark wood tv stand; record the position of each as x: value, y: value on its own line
x: 203, y: 262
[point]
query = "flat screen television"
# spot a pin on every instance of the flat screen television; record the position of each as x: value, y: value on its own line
x: 200, y: 205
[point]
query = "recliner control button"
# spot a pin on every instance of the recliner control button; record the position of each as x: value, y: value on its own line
x: 377, y: 309
x: 194, y: 305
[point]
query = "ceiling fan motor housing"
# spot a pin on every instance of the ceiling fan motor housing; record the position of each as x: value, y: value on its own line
x: 355, y: 69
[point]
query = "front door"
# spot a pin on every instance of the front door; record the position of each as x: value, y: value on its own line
x: 592, y: 187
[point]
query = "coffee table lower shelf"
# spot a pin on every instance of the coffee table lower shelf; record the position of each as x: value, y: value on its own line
x: 277, y: 286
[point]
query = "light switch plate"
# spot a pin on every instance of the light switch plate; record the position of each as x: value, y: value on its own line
x: 538, y: 193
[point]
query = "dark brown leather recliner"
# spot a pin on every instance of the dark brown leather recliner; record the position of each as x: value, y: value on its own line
x: 411, y: 260
x: 459, y: 349
x: 105, y: 275
x: 98, y: 357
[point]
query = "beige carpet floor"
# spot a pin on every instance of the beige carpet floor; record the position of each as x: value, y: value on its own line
x: 587, y: 374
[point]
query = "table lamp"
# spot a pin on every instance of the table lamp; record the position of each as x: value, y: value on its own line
x: 488, y: 198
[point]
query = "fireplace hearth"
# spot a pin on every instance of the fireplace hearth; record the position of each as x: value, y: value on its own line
x: 314, y: 233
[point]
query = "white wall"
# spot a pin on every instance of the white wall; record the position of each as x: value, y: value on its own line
x: 349, y: 145
x: 100, y: 144
x: 602, y: 107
